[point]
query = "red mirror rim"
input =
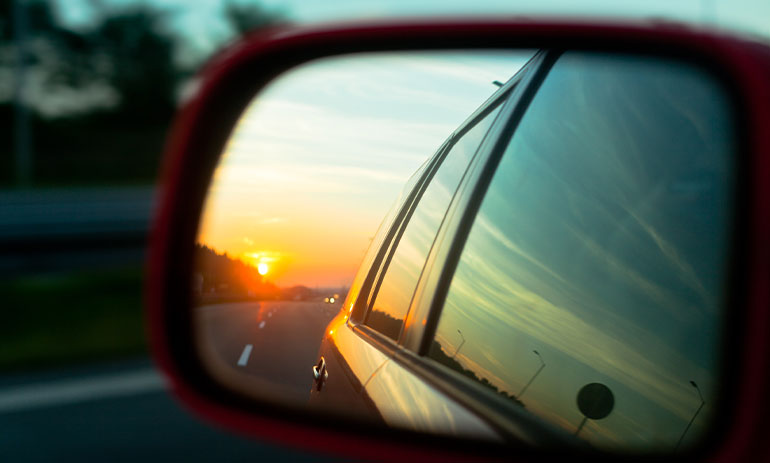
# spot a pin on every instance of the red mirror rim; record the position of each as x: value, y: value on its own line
x: 225, y: 86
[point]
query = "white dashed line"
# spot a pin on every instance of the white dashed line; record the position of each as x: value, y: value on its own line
x: 261, y: 324
x: 245, y: 355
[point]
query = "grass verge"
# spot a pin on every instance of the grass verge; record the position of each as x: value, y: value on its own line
x: 67, y: 318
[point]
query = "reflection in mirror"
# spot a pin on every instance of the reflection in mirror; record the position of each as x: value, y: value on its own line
x: 586, y: 306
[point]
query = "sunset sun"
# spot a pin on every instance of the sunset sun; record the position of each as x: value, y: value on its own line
x: 262, y: 268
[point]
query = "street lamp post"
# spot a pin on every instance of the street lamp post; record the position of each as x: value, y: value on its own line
x: 702, y: 403
x: 542, y: 365
x: 22, y: 126
x: 460, y: 346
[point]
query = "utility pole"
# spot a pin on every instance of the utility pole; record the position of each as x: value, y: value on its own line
x: 21, y: 125
x: 542, y: 365
x: 702, y: 403
x: 460, y: 346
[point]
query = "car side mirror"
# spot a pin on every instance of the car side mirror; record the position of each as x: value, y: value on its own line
x: 575, y: 260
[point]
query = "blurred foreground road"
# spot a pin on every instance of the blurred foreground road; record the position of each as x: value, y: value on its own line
x: 119, y: 412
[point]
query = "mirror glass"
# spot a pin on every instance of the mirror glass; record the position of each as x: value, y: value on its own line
x: 584, y: 303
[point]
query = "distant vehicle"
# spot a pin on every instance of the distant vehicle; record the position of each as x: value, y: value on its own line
x: 541, y: 260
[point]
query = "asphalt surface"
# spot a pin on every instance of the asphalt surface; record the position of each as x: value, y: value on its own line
x: 275, y: 342
x: 117, y: 412
x: 123, y: 411
x: 143, y: 428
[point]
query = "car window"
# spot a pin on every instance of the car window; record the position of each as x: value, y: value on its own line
x: 379, y: 239
x: 395, y: 291
x: 408, y: 195
x: 595, y: 267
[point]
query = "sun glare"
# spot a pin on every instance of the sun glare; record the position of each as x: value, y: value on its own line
x: 262, y: 268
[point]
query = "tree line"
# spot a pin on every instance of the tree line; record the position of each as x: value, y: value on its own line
x: 92, y: 105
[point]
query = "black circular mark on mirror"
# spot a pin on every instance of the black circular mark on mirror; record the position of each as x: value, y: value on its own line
x: 595, y: 401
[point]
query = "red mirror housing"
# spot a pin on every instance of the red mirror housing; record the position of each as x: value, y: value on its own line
x: 226, y: 85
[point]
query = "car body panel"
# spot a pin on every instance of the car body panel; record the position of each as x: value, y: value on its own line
x: 405, y: 400
x: 349, y: 364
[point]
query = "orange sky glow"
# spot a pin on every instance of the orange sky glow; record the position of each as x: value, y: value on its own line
x: 320, y: 155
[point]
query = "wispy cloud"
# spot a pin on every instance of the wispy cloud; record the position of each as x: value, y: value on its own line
x: 272, y: 220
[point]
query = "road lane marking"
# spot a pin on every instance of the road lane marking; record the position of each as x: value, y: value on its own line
x: 269, y: 314
x: 245, y: 355
x: 70, y: 391
x: 261, y: 324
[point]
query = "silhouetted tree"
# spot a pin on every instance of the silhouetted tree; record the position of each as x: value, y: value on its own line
x: 229, y: 277
x: 438, y: 354
x: 104, y: 94
x: 384, y: 323
x: 137, y: 51
x: 245, y: 18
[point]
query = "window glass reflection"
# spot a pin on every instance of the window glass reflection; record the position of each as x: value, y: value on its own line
x: 377, y: 241
x: 398, y: 284
x: 598, y: 255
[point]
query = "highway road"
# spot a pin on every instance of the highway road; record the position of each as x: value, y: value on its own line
x: 122, y: 411
x: 275, y: 342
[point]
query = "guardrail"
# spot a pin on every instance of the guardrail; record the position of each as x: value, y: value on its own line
x: 65, y: 229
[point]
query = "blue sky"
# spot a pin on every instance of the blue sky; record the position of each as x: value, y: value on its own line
x: 203, y: 24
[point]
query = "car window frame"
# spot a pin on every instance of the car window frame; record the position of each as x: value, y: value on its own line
x: 359, y: 307
x: 492, y: 104
x: 397, y: 229
x: 523, y: 86
x: 367, y: 295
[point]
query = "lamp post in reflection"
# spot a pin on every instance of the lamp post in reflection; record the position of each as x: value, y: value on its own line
x: 542, y: 365
x: 702, y: 403
x: 460, y: 346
